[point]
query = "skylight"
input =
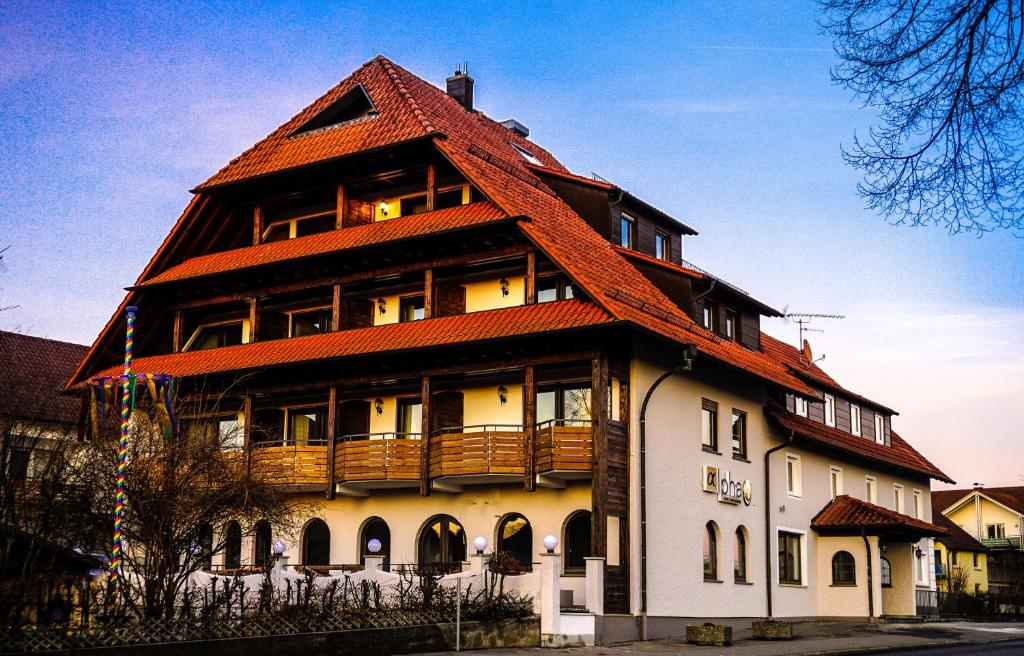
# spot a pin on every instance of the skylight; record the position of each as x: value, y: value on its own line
x: 527, y: 155
x: 352, y: 106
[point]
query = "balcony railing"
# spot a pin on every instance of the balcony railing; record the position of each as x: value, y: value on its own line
x: 283, y: 463
x: 378, y: 456
x: 564, y: 445
x: 480, y: 449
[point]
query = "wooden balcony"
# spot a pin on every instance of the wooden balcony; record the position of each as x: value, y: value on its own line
x: 303, y: 466
x: 565, y: 449
x: 381, y: 460
x: 472, y: 451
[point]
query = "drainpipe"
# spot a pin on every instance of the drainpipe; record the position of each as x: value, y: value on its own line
x: 686, y: 366
x: 871, y: 591
x: 768, y: 520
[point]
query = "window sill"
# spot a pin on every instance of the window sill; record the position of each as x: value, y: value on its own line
x: 577, y: 575
x: 843, y: 585
x: 794, y: 496
x: 743, y: 583
x: 712, y: 581
x: 708, y: 449
x: 792, y: 585
x: 740, y: 458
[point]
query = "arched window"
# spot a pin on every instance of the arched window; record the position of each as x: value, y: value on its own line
x: 885, y: 573
x: 316, y: 544
x: 576, y: 541
x: 442, y: 542
x: 515, y: 538
x: 844, y: 569
x: 739, y: 555
x: 375, y: 528
x: 205, y: 543
x: 233, y: 545
x: 261, y: 544
x: 710, y: 552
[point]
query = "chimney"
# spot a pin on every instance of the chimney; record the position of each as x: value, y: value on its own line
x: 517, y: 127
x: 460, y: 87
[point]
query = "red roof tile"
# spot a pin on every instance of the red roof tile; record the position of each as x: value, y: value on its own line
x: 846, y: 512
x: 900, y: 454
x: 650, y: 259
x: 956, y: 539
x: 33, y: 374
x: 473, y: 327
x: 432, y: 223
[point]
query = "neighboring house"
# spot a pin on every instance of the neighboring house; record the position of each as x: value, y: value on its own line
x: 33, y: 410
x: 437, y: 331
x: 961, y: 562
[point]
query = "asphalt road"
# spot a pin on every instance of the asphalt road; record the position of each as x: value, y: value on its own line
x: 1012, y: 648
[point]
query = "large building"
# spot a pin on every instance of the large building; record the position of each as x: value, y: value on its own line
x: 422, y: 318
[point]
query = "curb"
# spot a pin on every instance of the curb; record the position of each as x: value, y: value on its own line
x: 936, y: 644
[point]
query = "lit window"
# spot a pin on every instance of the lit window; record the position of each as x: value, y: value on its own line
x: 730, y: 324
x: 789, y: 558
x: 307, y: 426
x: 527, y: 155
x: 897, y: 498
x: 739, y: 433
x: 918, y: 505
x: 710, y: 552
x: 410, y: 418
x: 830, y: 410
x: 709, y: 424
x: 844, y: 569
x: 793, y: 482
x: 739, y: 556
x: 411, y: 308
x: 870, y: 489
x: 627, y: 231
x: 835, y: 477
x: 879, y: 428
x: 662, y: 246
x: 800, y: 405
x: 855, y: 419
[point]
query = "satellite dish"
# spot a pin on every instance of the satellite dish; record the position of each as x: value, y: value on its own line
x: 808, y: 356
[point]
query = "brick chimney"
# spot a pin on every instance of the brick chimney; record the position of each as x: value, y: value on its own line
x: 460, y: 87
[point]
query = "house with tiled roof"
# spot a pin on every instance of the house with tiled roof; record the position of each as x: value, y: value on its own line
x: 423, y: 319
x: 961, y: 561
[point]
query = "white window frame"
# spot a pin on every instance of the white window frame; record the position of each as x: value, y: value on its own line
x: 830, y: 410
x: 803, y: 556
x: 921, y: 566
x: 525, y: 154
x: 800, y: 406
x: 795, y: 491
x: 898, y: 498
x: 835, y: 480
x: 244, y: 323
x: 918, y: 505
x: 1001, y: 529
x: 871, y: 489
x: 855, y: 419
x: 879, y: 428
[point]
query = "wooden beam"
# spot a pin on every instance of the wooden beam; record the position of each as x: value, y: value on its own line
x: 530, y: 426
x: 179, y: 327
x: 531, y: 278
x: 336, y: 309
x: 332, y: 430
x: 254, y: 319
x: 431, y: 187
x: 599, y: 479
x: 257, y: 225
x: 428, y: 293
x: 341, y: 210
x: 247, y: 430
x: 426, y: 427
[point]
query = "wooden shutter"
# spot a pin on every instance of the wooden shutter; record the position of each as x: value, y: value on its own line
x: 450, y: 300
x: 354, y: 418
x: 356, y: 313
x: 360, y: 212
x: 447, y: 410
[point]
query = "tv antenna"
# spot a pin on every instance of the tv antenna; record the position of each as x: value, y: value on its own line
x: 802, y: 319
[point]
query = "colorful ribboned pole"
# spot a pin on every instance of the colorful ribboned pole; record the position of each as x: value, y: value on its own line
x: 127, y: 387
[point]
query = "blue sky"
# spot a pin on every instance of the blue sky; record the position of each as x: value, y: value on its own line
x: 722, y: 114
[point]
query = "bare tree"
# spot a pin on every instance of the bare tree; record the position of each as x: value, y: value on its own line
x: 947, y: 77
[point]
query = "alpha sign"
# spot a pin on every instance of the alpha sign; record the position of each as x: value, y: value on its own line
x: 720, y: 482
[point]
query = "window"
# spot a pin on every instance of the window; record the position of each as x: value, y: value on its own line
x: 215, y: 336
x: 527, y: 155
x: 885, y: 572
x: 307, y: 425
x: 410, y: 417
x: 709, y: 424
x: 954, y: 558
x: 567, y: 404
x: 879, y: 428
x: 18, y: 461
x: 800, y: 406
x: 412, y: 205
x: 870, y: 489
x: 897, y: 498
x: 411, y: 308
x: 918, y: 505
x: 789, y: 558
x: 710, y: 552
x: 977, y: 560
x: 375, y: 528
x: 739, y: 433
x: 995, y: 531
x: 835, y: 477
x: 225, y: 431
x: 793, y: 483
x: 662, y: 246
x: 711, y: 315
x: 739, y: 556
x: 261, y: 544
x: 205, y: 544
x: 309, y: 322
x: 731, y: 322
x: 921, y: 566
x: 554, y: 288
x: 627, y: 231
x: 576, y: 541
x: 351, y: 106
x: 844, y: 569
x: 442, y: 543
x: 298, y: 218
x: 233, y: 545
x: 316, y: 544
x: 515, y: 538
x: 855, y: 419
x: 830, y: 410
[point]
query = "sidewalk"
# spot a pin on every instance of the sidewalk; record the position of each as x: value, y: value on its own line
x: 832, y: 638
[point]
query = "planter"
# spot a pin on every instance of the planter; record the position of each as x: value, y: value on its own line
x: 772, y: 630
x: 717, y: 635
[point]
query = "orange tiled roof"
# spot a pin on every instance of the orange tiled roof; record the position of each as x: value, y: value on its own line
x: 437, y: 222
x: 899, y: 454
x: 477, y: 326
x: 32, y: 377
x: 650, y: 259
x: 846, y: 512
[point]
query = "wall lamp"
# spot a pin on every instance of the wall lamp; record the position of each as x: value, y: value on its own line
x: 502, y: 394
x: 383, y: 206
x: 504, y: 286
x: 382, y: 305
x: 378, y: 405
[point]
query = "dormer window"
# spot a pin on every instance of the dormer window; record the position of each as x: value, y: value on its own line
x: 411, y: 308
x: 800, y: 406
x: 879, y: 428
x: 555, y: 287
x: 527, y: 155
x: 830, y: 410
x: 731, y: 322
x: 353, y: 105
x: 627, y: 231
x: 710, y: 317
x: 299, y: 218
x: 662, y: 246
x: 216, y: 335
x: 854, y: 419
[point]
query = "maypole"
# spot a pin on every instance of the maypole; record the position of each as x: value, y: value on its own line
x: 127, y: 390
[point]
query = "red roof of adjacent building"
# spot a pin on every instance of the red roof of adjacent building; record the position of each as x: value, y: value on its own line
x: 650, y: 259
x: 956, y: 539
x: 847, y: 513
x: 333, y: 241
x: 1011, y: 497
x: 474, y: 327
x: 32, y: 376
x: 898, y: 454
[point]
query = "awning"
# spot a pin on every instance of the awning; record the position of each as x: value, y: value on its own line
x: 845, y: 515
